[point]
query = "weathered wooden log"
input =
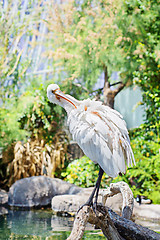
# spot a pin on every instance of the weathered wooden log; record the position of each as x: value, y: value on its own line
x: 112, y: 225
x: 80, y: 224
x: 101, y: 219
x: 127, y: 195
x: 130, y: 230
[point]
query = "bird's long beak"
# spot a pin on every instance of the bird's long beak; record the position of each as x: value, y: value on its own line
x: 60, y: 95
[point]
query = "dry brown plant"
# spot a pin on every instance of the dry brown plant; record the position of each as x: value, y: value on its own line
x: 35, y: 157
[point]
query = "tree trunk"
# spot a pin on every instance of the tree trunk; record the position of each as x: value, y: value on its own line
x: 108, y: 93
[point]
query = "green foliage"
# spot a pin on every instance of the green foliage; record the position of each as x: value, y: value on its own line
x: 30, y: 115
x: 40, y: 117
x: 9, y: 127
x: 116, y: 35
x: 151, y: 100
x: 83, y: 172
x: 144, y: 178
x: 141, y: 25
x: 84, y: 39
x: 142, y: 21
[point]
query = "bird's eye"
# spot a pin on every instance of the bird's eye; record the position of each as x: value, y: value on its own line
x: 54, y: 91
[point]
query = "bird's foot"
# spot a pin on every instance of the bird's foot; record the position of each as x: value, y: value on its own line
x: 90, y: 204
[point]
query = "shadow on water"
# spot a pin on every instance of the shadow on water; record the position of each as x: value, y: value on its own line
x: 40, y: 225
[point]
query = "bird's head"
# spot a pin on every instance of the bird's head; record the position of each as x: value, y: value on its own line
x: 55, y: 95
x: 53, y: 92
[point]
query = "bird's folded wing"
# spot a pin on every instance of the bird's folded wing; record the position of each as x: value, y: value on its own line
x: 102, y: 140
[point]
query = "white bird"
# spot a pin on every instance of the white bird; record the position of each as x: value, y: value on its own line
x: 100, y: 131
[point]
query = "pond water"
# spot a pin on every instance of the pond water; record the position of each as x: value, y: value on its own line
x: 43, y: 225
x: 40, y: 225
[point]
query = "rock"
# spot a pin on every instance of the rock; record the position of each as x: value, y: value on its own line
x: 3, y: 211
x: 67, y: 203
x: 38, y: 191
x: 3, y: 202
x: 64, y: 197
x: 3, y: 197
x: 71, y: 203
x: 147, y: 211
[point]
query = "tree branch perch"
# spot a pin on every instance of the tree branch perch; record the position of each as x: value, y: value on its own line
x: 112, y: 225
x: 128, y: 200
x: 101, y: 219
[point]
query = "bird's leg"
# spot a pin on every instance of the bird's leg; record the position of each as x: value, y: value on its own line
x: 96, y: 189
x: 98, y: 186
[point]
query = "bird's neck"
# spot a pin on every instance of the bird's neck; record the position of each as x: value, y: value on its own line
x: 68, y: 107
x: 70, y: 104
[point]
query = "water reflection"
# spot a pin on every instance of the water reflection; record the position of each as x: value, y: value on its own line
x: 29, y: 222
x: 43, y: 225
x: 40, y: 224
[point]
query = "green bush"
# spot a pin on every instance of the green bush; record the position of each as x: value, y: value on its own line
x: 9, y: 115
x: 41, y: 118
x: 144, y: 178
x: 29, y: 115
x: 83, y: 172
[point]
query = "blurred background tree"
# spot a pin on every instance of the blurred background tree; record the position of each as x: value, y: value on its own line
x: 84, y: 38
x: 77, y: 44
x: 141, y: 24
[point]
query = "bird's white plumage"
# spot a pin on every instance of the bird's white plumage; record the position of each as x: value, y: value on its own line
x: 101, y: 132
